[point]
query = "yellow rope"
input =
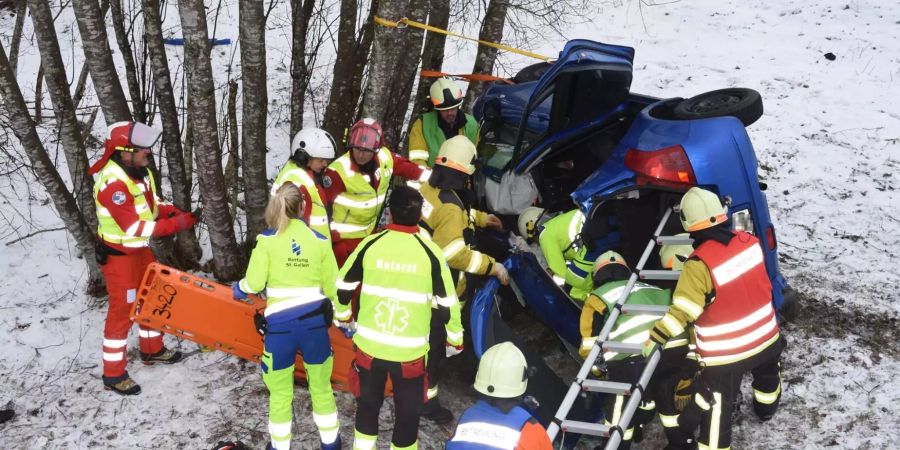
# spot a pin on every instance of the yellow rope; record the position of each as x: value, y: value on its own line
x: 403, y: 22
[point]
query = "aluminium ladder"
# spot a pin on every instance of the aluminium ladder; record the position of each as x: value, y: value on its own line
x: 633, y: 391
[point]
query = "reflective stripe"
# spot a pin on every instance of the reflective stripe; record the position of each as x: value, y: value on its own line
x: 650, y: 406
x: 281, y: 444
x: 101, y: 211
x: 318, y: 220
x: 715, y: 420
x: 343, y: 200
x: 454, y: 336
x: 487, y: 434
x: 313, y: 293
x: 432, y: 392
x: 738, y: 342
x: 279, y: 429
x: 575, y: 225
x: 117, y: 356
x: 560, y: 281
x: 426, y: 173
x: 277, y: 307
x: 148, y: 333
x: 363, y: 441
x: 114, y: 343
x: 447, y: 301
x: 474, y: 262
x: 245, y: 287
x: 692, y: 309
x: 613, y: 295
x: 631, y: 324
x: 738, y: 265
x: 588, y: 342
x: 347, y: 228
x: 767, y: 398
x: 672, y: 325
x: 328, y: 426
x: 418, y: 154
x: 389, y: 339
x: 345, y: 286
x: 453, y: 248
x: 669, y: 421
x: 701, y: 402
x: 343, y: 315
x: 395, y: 294
x: 701, y: 446
x: 672, y: 343
x: 417, y: 186
x: 737, y: 325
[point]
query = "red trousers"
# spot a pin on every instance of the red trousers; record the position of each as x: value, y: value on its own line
x: 123, y: 276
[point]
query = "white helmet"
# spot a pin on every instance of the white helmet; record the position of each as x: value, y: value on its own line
x: 502, y: 372
x: 673, y: 256
x: 314, y: 143
x: 528, y: 221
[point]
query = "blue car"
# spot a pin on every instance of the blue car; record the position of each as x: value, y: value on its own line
x: 572, y: 134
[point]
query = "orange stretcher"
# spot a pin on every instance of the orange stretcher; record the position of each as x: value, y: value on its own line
x: 205, y: 312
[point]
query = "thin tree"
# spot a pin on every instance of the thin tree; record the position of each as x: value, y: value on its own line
x: 23, y: 127
x: 301, y: 13
x: 432, y: 52
x: 188, y: 249
x: 58, y: 86
x: 227, y: 258
x: 352, y: 56
x: 98, y: 57
x: 17, y: 35
x: 131, y: 75
x: 252, y: 30
x: 491, y: 31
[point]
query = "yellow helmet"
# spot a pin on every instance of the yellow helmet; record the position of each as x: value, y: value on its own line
x: 673, y: 256
x: 457, y: 153
x: 502, y: 372
x: 445, y: 94
x: 701, y: 209
x: 609, y: 257
x: 528, y: 221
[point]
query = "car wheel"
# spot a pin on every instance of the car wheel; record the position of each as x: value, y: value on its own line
x: 531, y: 73
x: 745, y: 104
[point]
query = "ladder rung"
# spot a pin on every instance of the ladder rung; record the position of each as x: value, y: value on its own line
x: 659, y: 274
x: 656, y: 310
x: 674, y: 240
x: 593, y: 429
x: 606, y: 387
x: 621, y: 347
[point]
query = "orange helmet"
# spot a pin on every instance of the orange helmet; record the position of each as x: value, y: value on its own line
x: 366, y: 134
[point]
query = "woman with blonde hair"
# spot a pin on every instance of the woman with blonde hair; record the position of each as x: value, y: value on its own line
x: 296, y: 267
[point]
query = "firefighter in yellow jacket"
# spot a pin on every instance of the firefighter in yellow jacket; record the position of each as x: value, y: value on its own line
x: 451, y: 223
x: 725, y: 293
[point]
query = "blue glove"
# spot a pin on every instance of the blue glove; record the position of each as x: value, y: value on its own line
x: 238, y: 293
x: 648, y: 348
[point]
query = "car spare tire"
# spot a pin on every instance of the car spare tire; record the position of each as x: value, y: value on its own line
x: 745, y: 104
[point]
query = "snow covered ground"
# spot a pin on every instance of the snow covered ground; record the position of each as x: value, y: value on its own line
x: 829, y: 149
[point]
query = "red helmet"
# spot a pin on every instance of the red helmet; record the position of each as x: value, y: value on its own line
x: 126, y: 136
x: 366, y: 134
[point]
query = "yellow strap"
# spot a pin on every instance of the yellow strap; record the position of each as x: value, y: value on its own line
x: 403, y: 22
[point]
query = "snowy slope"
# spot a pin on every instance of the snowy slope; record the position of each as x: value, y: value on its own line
x: 828, y: 149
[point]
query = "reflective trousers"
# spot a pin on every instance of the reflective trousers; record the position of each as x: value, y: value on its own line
x: 123, y: 274
x: 283, y: 340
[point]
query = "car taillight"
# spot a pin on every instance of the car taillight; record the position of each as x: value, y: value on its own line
x: 770, y: 237
x: 666, y: 167
x: 742, y: 221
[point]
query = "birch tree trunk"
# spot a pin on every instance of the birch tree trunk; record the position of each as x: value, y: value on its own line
x: 98, y: 57
x: 302, y: 14
x: 255, y: 108
x: 17, y: 36
x: 69, y: 129
x: 386, y: 56
x: 188, y: 249
x: 395, y: 102
x: 352, y: 55
x: 23, y: 127
x: 491, y: 31
x: 131, y: 76
x: 432, y: 52
x: 227, y: 259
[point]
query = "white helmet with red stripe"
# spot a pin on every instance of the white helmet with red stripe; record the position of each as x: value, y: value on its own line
x: 701, y: 209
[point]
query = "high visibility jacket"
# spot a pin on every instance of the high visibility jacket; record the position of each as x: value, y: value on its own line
x: 355, y: 211
x: 567, y: 258
x: 629, y: 328
x: 426, y: 137
x: 402, y: 275
x: 296, y: 268
x: 129, y: 211
x: 453, y: 229
x: 485, y: 427
x: 725, y: 291
x: 318, y: 213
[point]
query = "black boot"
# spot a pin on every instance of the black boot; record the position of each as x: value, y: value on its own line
x: 122, y: 385
x: 164, y: 356
x: 434, y: 412
x: 6, y: 415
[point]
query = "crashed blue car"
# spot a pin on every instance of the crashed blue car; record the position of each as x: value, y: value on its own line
x: 571, y: 134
